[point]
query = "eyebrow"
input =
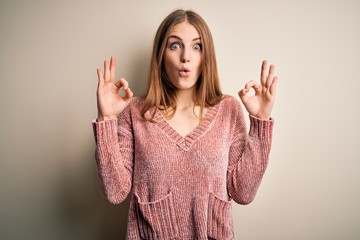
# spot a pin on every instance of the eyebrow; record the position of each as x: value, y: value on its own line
x: 179, y: 38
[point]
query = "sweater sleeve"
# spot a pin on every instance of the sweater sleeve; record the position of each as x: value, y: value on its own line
x: 248, y: 158
x: 114, y: 156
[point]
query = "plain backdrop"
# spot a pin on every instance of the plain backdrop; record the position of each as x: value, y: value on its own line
x: 49, y: 52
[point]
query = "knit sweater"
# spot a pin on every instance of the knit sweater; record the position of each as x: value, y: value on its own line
x: 182, y: 187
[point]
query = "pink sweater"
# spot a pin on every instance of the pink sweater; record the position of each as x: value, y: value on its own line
x: 182, y: 187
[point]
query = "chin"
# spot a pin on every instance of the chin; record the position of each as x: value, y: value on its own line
x: 185, y: 86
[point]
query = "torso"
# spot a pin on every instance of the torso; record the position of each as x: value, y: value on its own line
x: 180, y: 169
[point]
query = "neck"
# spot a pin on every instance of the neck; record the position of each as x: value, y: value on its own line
x: 185, y: 99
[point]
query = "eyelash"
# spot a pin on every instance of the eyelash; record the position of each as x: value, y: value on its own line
x: 172, y: 46
x: 200, y: 46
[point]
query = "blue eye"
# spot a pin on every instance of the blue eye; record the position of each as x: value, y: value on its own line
x: 175, y: 46
x: 197, y: 47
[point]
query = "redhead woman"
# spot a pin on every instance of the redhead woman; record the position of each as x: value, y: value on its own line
x: 182, y: 151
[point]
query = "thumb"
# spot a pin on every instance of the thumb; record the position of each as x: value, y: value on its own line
x: 243, y: 94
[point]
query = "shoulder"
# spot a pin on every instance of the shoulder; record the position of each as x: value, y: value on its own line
x: 230, y: 102
x: 230, y: 117
x: 133, y: 109
x: 135, y: 105
x: 230, y: 109
x: 136, y: 102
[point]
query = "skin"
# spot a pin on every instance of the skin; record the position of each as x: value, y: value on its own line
x: 183, y: 57
x: 183, y: 51
x: 260, y: 105
x: 109, y: 102
x: 183, y: 60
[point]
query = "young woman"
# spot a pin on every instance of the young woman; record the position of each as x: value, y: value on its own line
x: 182, y: 151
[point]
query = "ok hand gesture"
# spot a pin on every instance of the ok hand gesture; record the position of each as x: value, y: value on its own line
x: 109, y: 102
x: 260, y: 105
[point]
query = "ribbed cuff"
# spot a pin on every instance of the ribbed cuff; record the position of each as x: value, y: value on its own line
x: 105, y: 131
x: 261, y: 128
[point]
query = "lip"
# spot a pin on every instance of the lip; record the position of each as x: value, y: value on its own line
x: 184, y: 72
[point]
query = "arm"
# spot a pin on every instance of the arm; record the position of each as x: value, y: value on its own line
x: 248, y: 159
x: 114, y: 158
x: 249, y: 153
x: 113, y: 135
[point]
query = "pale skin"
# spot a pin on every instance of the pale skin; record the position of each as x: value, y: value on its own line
x: 183, y: 59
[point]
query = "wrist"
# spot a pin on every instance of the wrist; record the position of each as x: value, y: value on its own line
x: 105, y: 118
x: 262, y: 117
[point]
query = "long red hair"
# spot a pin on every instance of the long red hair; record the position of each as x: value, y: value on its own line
x: 160, y: 93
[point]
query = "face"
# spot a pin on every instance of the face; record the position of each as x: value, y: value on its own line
x: 183, y: 56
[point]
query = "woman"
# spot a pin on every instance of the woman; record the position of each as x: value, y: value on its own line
x: 183, y: 150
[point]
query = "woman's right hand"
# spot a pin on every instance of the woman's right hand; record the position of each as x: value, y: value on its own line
x: 109, y: 102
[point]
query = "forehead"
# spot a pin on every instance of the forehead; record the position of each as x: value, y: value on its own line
x: 184, y: 30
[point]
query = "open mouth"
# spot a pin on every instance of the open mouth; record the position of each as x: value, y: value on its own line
x: 184, y: 72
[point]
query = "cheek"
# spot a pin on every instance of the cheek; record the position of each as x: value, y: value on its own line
x: 169, y: 61
x: 166, y: 64
x: 170, y: 69
x: 199, y: 63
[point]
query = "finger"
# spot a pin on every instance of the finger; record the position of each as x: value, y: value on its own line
x: 273, y: 86
x: 118, y: 84
x: 122, y: 83
x: 257, y: 87
x: 242, y: 92
x: 252, y: 84
x: 263, y: 73
x: 249, y: 85
x: 128, y: 94
x: 112, y: 68
x: 270, y: 76
x: 100, y: 77
x: 106, y: 71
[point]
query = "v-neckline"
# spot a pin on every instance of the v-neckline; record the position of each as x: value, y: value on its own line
x: 185, y: 142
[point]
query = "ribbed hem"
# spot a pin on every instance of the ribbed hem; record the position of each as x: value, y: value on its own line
x: 219, y: 218
x: 157, y: 219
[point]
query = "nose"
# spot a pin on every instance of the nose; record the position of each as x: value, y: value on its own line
x: 185, y: 56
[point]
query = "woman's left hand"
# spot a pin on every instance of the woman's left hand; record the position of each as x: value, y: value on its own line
x: 260, y: 105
